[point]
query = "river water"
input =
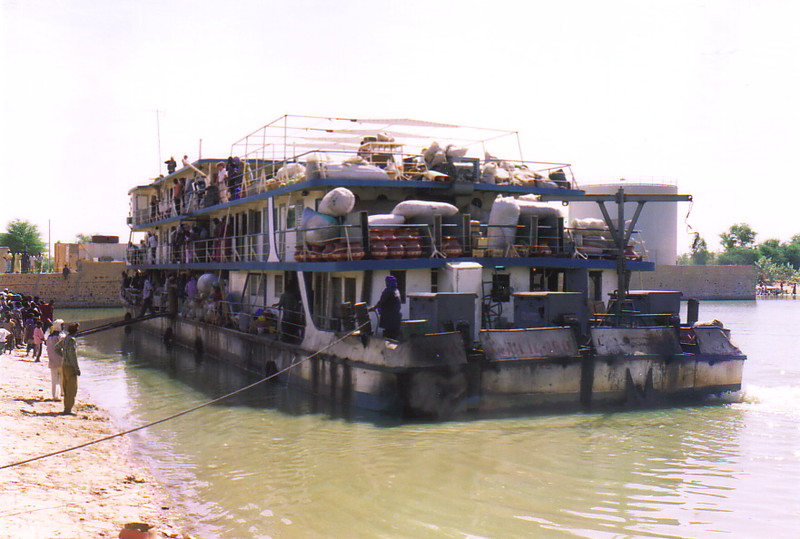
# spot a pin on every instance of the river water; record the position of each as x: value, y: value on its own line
x: 243, y: 468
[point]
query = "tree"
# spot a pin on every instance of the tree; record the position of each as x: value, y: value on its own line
x: 738, y: 235
x: 700, y: 255
x: 23, y: 237
x: 737, y: 256
x: 83, y: 238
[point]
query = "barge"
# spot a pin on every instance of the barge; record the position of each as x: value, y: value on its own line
x: 272, y: 258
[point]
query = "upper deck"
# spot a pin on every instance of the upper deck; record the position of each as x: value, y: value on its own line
x: 279, y: 171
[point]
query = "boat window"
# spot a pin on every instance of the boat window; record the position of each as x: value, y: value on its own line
x: 290, y: 217
x: 278, y: 285
x: 434, y: 280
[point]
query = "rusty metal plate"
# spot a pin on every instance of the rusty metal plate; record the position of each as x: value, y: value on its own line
x: 505, y: 344
x: 635, y: 341
x: 714, y: 341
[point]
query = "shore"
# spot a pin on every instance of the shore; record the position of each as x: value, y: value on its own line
x: 90, y: 492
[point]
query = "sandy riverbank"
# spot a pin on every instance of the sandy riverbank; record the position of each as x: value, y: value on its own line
x: 91, y: 492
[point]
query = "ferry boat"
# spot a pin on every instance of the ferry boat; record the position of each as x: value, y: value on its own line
x: 271, y: 258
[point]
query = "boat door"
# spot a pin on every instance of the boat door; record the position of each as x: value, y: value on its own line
x: 286, y: 220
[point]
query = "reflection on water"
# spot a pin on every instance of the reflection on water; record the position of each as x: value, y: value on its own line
x: 245, y: 469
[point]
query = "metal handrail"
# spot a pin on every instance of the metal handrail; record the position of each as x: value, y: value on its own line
x: 238, y: 248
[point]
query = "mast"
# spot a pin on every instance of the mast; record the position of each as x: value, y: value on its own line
x: 620, y: 234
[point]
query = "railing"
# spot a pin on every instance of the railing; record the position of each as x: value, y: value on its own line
x: 598, y: 243
x: 345, y: 243
x: 259, y: 176
x: 273, y: 322
x: 241, y: 248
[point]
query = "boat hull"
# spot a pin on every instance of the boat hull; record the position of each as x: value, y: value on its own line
x: 431, y: 376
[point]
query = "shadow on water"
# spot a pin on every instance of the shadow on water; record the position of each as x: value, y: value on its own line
x: 212, y: 379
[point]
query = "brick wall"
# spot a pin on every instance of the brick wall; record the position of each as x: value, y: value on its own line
x: 95, y: 284
x: 701, y: 282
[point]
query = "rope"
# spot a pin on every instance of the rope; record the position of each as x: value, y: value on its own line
x: 184, y: 412
x: 689, y: 228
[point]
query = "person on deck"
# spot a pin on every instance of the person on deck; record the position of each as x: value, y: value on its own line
x: 290, y: 305
x: 177, y: 194
x: 147, y: 297
x: 388, y: 308
x: 221, y: 180
x: 171, y: 165
x: 68, y: 348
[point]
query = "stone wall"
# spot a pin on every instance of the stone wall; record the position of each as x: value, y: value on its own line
x: 95, y: 284
x: 700, y: 282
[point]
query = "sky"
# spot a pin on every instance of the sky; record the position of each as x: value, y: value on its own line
x: 97, y: 94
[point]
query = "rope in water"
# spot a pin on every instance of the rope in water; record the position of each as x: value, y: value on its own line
x: 184, y: 412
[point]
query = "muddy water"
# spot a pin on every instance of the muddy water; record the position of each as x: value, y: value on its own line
x: 257, y: 466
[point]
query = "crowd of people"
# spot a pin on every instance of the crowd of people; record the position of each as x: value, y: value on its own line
x: 185, y: 195
x: 26, y: 323
x: 187, y: 243
x: 23, y: 262
x: 213, y: 303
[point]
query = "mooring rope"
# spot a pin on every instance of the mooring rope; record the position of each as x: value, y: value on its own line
x: 184, y: 412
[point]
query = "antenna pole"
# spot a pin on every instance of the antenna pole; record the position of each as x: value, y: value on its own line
x: 158, y: 134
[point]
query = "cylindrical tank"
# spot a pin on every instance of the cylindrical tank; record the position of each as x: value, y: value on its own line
x: 657, y: 226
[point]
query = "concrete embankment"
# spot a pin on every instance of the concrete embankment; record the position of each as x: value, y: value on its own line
x: 701, y: 282
x: 91, y: 492
x: 95, y: 284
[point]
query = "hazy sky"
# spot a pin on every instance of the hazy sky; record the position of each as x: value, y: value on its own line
x: 702, y: 93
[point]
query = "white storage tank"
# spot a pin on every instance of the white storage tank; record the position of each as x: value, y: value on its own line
x: 657, y: 224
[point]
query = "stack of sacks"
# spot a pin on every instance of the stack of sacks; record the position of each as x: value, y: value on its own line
x: 410, y: 209
x: 315, y: 166
x: 434, y: 155
x: 591, y: 235
x: 291, y: 171
x: 503, y: 219
x: 495, y: 171
x: 337, y: 202
x: 531, y: 207
x: 323, y: 226
x: 522, y: 175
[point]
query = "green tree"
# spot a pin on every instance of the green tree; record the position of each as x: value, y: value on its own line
x: 23, y: 237
x: 737, y: 256
x: 83, y: 238
x: 700, y: 256
x: 738, y: 235
x: 769, y: 271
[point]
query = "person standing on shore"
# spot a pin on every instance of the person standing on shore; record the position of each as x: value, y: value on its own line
x: 68, y: 348
x: 54, y: 359
x: 4, y: 334
x: 38, y: 339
